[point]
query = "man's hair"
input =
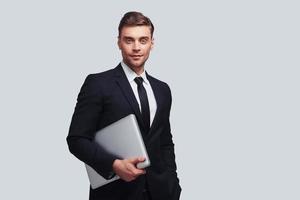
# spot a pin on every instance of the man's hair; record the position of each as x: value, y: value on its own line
x: 134, y: 18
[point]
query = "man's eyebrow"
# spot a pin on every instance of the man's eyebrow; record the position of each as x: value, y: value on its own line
x: 143, y: 37
x: 128, y: 37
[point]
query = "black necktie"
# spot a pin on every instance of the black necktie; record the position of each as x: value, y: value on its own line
x: 144, y: 102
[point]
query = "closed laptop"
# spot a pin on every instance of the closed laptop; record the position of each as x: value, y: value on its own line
x: 123, y: 139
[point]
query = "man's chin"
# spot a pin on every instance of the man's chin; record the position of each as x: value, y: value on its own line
x: 136, y: 65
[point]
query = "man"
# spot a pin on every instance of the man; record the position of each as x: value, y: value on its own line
x: 109, y: 96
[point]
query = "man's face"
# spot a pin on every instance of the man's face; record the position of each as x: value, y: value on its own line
x: 135, y: 43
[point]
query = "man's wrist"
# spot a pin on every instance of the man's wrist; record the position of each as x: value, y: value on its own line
x: 115, y: 164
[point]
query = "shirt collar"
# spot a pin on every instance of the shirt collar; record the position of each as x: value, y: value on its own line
x: 130, y: 74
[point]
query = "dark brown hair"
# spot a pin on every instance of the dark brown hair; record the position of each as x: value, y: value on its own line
x: 134, y: 18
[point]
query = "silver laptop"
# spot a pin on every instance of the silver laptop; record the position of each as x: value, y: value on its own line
x: 123, y: 139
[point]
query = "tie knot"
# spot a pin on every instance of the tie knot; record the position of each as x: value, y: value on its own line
x: 139, y: 80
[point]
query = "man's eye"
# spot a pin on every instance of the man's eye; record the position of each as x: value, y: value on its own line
x: 143, y: 41
x: 128, y: 41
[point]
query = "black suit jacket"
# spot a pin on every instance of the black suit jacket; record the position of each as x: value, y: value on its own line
x: 105, y: 98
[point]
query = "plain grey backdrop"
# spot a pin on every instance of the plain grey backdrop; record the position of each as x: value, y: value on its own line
x: 233, y: 67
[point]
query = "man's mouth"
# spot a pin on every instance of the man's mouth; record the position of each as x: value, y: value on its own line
x: 136, y: 56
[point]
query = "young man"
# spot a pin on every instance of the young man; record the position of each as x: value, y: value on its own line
x: 109, y: 96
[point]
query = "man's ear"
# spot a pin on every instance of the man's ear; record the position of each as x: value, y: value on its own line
x: 119, y: 43
x: 152, y: 43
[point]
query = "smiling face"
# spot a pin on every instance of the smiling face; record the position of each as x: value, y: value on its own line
x: 135, y: 43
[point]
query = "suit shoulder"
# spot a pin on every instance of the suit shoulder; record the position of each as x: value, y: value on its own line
x: 101, y: 75
x: 160, y: 83
x: 100, y: 78
x: 94, y: 82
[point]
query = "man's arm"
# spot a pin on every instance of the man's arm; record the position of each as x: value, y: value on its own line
x: 167, y: 145
x: 83, y: 127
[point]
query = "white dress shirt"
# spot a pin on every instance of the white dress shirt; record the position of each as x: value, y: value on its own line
x: 130, y: 74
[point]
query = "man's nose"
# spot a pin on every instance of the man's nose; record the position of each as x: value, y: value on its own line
x: 136, y: 46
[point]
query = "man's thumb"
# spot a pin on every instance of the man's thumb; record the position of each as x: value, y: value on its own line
x: 136, y: 160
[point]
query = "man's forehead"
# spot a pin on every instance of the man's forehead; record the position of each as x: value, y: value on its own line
x: 136, y: 31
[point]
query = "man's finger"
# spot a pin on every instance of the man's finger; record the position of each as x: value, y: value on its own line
x: 142, y: 159
x: 135, y: 171
x: 134, y: 161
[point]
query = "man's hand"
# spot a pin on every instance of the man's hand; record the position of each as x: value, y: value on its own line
x: 126, y: 169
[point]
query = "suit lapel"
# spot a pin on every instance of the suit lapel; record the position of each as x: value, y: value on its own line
x: 156, y: 90
x: 123, y: 83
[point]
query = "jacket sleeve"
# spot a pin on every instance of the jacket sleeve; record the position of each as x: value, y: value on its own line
x: 83, y: 126
x: 167, y: 145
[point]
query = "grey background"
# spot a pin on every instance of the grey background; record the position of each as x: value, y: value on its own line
x: 233, y: 67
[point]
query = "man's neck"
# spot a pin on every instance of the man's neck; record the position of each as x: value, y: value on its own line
x: 138, y: 70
